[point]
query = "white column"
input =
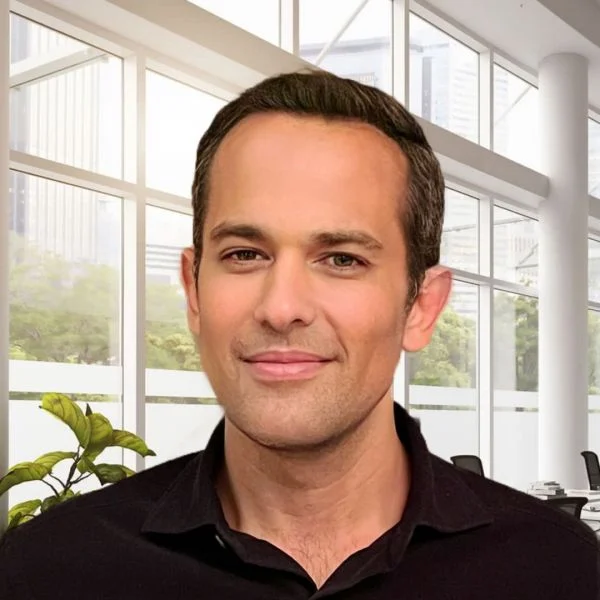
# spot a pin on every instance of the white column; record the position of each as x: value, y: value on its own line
x: 4, y: 208
x: 563, y: 275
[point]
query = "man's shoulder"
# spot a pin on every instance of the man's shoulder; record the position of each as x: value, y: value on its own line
x: 125, y: 505
x: 76, y: 536
x: 527, y: 519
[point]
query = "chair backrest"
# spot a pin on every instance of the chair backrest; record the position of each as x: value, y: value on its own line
x: 570, y: 504
x: 469, y: 462
x: 592, y: 466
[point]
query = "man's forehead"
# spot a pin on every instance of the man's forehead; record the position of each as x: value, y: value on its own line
x: 263, y: 128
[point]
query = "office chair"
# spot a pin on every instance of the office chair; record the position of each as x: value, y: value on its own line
x: 592, y: 466
x: 468, y: 462
x: 570, y: 504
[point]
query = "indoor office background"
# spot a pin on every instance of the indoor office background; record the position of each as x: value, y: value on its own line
x: 105, y: 114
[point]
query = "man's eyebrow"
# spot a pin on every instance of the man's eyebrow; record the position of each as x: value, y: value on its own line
x: 337, y: 237
x: 341, y: 237
x: 240, y: 230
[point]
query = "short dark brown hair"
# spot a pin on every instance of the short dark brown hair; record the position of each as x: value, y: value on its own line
x: 322, y: 94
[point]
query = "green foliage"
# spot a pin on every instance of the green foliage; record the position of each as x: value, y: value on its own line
x: 449, y: 359
x: 69, y: 313
x: 516, y: 324
x: 94, y: 433
x: 594, y: 352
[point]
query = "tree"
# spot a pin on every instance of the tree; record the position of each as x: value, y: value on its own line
x: 68, y: 312
x: 449, y: 360
x: 593, y: 353
x: 516, y: 334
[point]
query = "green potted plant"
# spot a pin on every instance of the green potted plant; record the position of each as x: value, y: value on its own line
x: 94, y: 434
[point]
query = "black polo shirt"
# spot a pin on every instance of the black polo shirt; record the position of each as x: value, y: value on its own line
x: 162, y: 534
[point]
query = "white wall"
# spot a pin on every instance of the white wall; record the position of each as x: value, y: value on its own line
x: 176, y: 429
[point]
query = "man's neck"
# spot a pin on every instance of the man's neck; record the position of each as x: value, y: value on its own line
x: 319, y: 507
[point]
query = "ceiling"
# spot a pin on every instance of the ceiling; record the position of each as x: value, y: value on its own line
x: 529, y: 30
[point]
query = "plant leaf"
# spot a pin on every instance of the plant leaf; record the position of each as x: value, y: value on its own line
x: 22, y: 473
x: 51, y: 459
x: 24, y: 508
x: 100, y: 436
x: 112, y: 473
x: 68, y: 412
x: 52, y: 501
x: 125, y: 439
x: 85, y: 465
x: 49, y: 502
x: 18, y: 519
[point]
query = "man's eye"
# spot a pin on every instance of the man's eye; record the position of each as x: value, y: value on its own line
x: 243, y: 255
x: 344, y: 261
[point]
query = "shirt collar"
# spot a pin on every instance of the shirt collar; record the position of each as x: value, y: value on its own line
x: 439, y: 497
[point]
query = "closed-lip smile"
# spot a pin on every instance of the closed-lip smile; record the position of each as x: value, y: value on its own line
x: 285, y: 365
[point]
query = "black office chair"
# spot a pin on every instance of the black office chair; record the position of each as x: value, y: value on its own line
x: 592, y: 466
x: 468, y: 462
x: 570, y: 504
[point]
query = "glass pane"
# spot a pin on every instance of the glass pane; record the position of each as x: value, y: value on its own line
x: 594, y: 157
x: 176, y: 117
x: 443, y: 378
x: 65, y: 275
x: 260, y: 17
x: 594, y: 381
x: 169, y: 344
x: 180, y: 405
x: 460, y: 238
x: 66, y: 99
x: 515, y: 356
x: 516, y: 124
x: 515, y: 247
x: 363, y: 51
x: 65, y: 311
x: 594, y: 270
x: 444, y: 79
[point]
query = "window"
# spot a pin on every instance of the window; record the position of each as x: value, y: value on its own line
x: 443, y: 378
x: 177, y: 116
x: 594, y: 380
x: 65, y: 308
x: 259, y: 17
x: 169, y: 344
x: 516, y: 125
x: 515, y: 247
x: 65, y: 99
x: 351, y: 39
x: 444, y: 80
x: 594, y: 270
x: 594, y: 157
x: 515, y: 356
x: 178, y: 396
x: 460, y: 238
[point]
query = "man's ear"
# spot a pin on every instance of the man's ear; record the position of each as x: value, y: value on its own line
x: 188, y: 281
x: 426, y: 309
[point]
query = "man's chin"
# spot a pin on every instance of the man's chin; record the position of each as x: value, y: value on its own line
x: 292, y: 438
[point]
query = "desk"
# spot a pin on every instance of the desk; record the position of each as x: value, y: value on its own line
x: 591, y: 511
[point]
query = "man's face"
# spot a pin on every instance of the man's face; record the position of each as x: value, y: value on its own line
x: 300, y: 312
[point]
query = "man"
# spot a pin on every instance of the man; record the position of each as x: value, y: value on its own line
x: 318, y: 210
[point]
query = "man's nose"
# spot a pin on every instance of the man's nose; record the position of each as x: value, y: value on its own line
x: 287, y: 298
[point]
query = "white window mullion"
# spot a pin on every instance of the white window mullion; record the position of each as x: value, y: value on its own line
x: 485, y: 338
x: 289, y: 26
x: 4, y: 237
x: 486, y: 99
x: 134, y: 256
x: 400, y: 51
